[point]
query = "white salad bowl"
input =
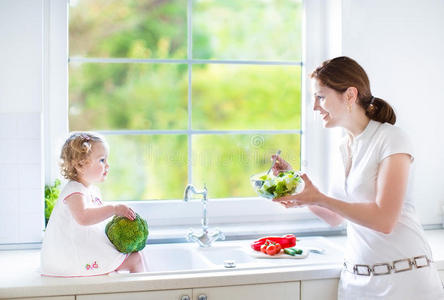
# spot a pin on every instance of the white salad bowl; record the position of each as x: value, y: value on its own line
x: 276, y: 186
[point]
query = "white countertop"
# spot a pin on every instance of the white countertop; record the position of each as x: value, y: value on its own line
x: 20, y: 277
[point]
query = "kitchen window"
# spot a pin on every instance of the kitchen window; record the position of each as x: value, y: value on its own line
x: 199, y: 92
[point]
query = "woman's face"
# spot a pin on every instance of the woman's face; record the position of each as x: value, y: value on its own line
x: 330, y: 104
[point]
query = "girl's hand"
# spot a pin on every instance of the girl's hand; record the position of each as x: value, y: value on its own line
x: 309, y: 195
x: 124, y: 211
x: 280, y: 165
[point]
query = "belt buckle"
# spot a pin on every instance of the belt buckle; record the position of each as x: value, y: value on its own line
x: 410, y: 263
x: 388, y: 266
x: 357, y: 272
x: 415, y: 262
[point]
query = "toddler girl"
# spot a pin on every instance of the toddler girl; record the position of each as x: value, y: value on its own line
x: 75, y: 243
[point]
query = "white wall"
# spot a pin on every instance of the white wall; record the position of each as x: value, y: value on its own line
x: 400, y: 43
x: 21, y: 85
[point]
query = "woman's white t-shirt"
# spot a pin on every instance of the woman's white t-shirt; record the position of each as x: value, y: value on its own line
x: 362, y: 156
x: 70, y: 249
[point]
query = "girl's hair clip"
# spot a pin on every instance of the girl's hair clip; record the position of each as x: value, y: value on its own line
x: 85, y: 137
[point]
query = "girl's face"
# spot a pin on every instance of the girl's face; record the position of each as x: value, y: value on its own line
x: 330, y: 104
x: 96, y: 169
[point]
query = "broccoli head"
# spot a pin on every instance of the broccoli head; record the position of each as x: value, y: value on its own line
x: 126, y: 235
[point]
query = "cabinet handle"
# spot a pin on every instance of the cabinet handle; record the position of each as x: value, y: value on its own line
x: 185, y: 297
x: 202, y: 297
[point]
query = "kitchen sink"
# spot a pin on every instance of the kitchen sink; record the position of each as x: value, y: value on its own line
x: 220, y: 253
x: 230, y: 255
x: 173, y: 257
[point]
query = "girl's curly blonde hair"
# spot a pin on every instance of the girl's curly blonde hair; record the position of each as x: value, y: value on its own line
x: 76, y: 151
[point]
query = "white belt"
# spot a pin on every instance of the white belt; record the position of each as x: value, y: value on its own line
x: 400, y: 265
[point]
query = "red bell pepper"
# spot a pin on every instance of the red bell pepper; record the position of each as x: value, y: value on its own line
x: 285, y: 241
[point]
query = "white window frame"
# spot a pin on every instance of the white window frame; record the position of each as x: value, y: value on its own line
x: 236, y: 217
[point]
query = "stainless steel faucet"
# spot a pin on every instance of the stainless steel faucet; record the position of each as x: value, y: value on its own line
x: 204, y: 239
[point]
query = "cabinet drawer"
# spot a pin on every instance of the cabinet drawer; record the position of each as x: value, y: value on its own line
x: 325, y: 289
x: 151, y: 295
x: 284, y: 290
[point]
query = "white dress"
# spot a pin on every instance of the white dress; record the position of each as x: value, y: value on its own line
x: 70, y: 249
x: 369, y: 247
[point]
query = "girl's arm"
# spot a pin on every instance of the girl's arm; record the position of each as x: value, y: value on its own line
x: 89, y: 216
x: 381, y: 215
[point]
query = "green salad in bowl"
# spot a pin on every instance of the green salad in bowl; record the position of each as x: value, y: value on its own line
x: 271, y: 186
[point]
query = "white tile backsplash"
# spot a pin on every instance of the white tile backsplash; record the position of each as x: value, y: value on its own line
x: 9, y: 200
x: 21, y: 55
x: 8, y: 228
x: 31, y: 200
x: 21, y: 108
x: 29, y: 151
x: 28, y: 126
x: 21, y: 178
x: 8, y: 151
x: 30, y: 176
x: 8, y: 125
x: 9, y: 203
x: 31, y: 227
x: 9, y: 176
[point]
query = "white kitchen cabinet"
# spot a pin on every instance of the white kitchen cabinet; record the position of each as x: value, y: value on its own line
x: 282, y: 290
x: 151, y: 295
x: 325, y: 289
x: 49, y: 298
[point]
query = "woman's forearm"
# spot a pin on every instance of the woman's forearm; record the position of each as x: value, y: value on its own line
x: 333, y: 219
x: 370, y: 214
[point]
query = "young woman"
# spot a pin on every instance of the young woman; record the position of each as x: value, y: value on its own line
x: 387, y: 256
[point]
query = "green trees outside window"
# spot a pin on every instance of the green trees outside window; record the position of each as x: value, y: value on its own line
x: 204, y: 88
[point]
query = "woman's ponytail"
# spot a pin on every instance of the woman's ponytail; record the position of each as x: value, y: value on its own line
x: 378, y: 110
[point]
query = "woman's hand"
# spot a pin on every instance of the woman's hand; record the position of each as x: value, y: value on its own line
x: 310, y: 195
x: 124, y: 211
x: 280, y: 165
